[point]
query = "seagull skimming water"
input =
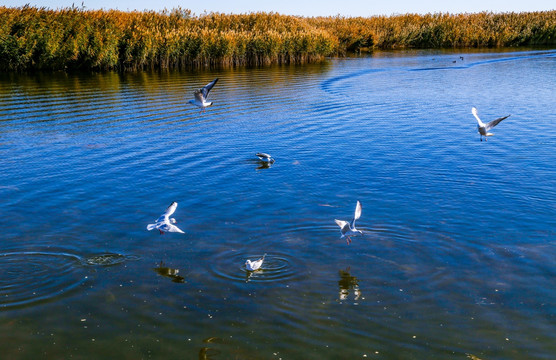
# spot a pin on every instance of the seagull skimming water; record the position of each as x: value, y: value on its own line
x: 201, y: 96
x: 484, y: 128
x: 164, y: 223
x: 265, y: 158
x: 348, y: 229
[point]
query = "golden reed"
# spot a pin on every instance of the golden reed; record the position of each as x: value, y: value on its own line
x: 72, y: 38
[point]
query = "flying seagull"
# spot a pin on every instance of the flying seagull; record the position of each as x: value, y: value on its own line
x: 484, y: 128
x: 348, y: 229
x: 254, y: 265
x: 265, y: 158
x: 165, y: 223
x: 201, y: 96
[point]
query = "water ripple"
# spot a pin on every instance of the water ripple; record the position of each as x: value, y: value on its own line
x: 32, y: 277
x: 108, y: 259
x: 230, y: 265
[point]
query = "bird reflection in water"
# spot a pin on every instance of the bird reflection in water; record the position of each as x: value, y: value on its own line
x: 348, y: 284
x: 263, y: 165
x: 264, y: 161
x: 169, y: 273
x: 252, y: 274
x: 207, y: 353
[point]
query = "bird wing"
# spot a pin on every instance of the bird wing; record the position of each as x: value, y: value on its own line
x: 263, y: 155
x: 169, y: 211
x: 493, y: 123
x: 260, y: 261
x: 199, y: 96
x: 344, y: 225
x: 174, y: 228
x: 153, y: 226
x: 474, y: 112
x: 357, y: 215
x: 206, y: 89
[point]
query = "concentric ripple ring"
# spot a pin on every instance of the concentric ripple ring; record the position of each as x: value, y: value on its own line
x: 33, y: 277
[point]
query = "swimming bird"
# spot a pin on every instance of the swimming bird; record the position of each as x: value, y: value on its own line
x: 201, y: 96
x: 165, y: 223
x: 348, y: 229
x: 254, y: 265
x: 265, y: 158
x: 484, y: 128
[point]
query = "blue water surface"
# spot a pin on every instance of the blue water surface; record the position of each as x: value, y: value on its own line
x: 458, y: 257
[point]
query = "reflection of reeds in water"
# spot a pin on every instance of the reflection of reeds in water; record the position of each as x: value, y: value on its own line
x: 38, y: 38
x: 347, y: 284
x: 169, y: 273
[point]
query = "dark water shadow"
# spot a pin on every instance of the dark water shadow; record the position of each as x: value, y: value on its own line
x: 170, y: 273
x: 108, y: 259
x: 259, y: 165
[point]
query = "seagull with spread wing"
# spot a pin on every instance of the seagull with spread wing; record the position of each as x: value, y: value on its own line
x: 348, y: 229
x: 201, y: 96
x: 485, y: 128
x: 165, y: 223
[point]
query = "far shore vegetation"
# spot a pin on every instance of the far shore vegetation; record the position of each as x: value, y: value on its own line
x: 74, y: 38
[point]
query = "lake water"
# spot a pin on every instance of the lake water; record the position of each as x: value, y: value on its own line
x: 458, y: 257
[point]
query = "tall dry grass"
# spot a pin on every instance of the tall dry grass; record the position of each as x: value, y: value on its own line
x: 439, y: 30
x: 73, y: 38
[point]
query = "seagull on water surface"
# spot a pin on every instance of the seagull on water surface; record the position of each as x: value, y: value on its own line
x: 165, y: 223
x: 201, y: 96
x: 254, y: 265
x: 265, y: 158
x: 348, y: 229
x: 484, y: 128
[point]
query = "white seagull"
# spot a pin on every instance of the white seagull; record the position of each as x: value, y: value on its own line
x: 165, y: 223
x: 254, y: 265
x: 348, y: 229
x: 265, y: 158
x: 201, y: 96
x: 484, y: 128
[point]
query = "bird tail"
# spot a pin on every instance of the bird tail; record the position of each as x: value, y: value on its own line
x: 151, y: 227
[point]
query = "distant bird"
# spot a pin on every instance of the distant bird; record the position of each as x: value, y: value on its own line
x: 348, y: 229
x: 201, y: 96
x: 265, y: 158
x: 461, y: 57
x: 164, y: 223
x: 484, y: 128
x: 254, y: 265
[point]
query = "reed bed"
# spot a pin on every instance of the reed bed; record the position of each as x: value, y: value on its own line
x: 72, y: 38
x: 439, y: 30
